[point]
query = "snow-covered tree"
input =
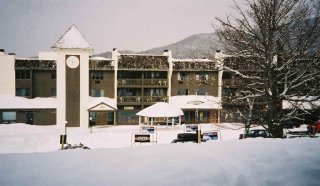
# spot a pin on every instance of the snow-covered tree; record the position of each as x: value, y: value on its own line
x: 275, y: 51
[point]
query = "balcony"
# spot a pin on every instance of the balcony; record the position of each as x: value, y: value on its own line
x: 139, y: 100
x: 143, y: 83
x: 129, y: 82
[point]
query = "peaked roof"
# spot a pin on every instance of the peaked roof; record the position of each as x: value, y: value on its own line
x: 72, y: 39
x: 95, y: 102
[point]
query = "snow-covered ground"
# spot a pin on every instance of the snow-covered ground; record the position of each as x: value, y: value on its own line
x: 22, y: 138
x: 29, y: 155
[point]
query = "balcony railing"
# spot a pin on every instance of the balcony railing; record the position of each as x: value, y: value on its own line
x: 139, y: 99
x: 129, y: 82
x: 155, y: 82
x: 145, y: 82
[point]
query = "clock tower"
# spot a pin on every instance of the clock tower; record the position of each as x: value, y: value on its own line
x: 72, y: 57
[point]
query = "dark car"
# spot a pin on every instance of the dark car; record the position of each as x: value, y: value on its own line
x: 187, y: 137
x: 256, y: 133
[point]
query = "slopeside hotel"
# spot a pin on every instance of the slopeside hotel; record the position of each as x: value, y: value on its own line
x: 69, y: 85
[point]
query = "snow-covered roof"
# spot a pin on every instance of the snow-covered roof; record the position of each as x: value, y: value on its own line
x: 161, y: 109
x: 192, y: 60
x: 72, y: 39
x: 195, y: 102
x: 35, y: 64
x: 100, y: 58
x: 194, y: 64
x: 101, y: 103
x: 15, y: 102
x: 139, y: 61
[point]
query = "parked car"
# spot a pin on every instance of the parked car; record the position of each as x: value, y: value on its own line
x: 187, y: 137
x: 255, y: 133
x: 315, y: 127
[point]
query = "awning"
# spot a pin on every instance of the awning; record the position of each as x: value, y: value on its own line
x: 161, y: 109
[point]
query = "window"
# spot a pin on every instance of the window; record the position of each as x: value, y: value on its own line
x: 97, y: 93
x: 182, y: 76
x: 98, y: 75
x: 53, y: 74
x: 53, y: 92
x: 129, y: 75
x: 8, y: 117
x: 202, y: 77
x: 22, y: 74
x: 202, y: 91
x: 129, y: 92
x: 183, y: 92
x: 22, y: 92
x: 155, y: 92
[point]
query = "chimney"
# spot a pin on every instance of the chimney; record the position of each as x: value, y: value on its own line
x: 11, y: 54
x: 167, y: 53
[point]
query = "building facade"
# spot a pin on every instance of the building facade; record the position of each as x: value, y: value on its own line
x: 69, y: 86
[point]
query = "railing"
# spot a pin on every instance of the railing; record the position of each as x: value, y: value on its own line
x: 153, y: 99
x: 129, y: 82
x: 129, y: 99
x: 140, y: 99
x: 140, y: 82
x: 155, y: 82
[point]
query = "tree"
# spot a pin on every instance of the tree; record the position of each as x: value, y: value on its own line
x: 275, y: 49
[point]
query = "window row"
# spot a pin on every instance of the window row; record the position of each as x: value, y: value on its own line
x: 140, y: 75
x: 137, y: 92
x: 26, y: 74
x: 184, y: 91
x: 25, y: 92
x: 182, y: 76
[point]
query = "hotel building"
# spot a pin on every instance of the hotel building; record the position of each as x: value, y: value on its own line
x: 69, y: 85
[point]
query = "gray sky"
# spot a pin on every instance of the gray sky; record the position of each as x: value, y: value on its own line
x: 29, y: 26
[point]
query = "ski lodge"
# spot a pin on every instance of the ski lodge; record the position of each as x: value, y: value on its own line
x: 71, y: 86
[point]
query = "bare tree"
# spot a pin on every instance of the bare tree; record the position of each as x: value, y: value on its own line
x: 275, y: 44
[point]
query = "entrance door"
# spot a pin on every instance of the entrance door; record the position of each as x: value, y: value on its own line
x: 101, y: 118
x: 30, y: 118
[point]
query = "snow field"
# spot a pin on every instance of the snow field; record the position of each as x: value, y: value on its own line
x: 112, y: 160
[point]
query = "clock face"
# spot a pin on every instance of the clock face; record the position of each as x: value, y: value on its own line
x: 73, y: 62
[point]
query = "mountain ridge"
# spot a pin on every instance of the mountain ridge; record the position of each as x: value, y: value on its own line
x: 200, y: 45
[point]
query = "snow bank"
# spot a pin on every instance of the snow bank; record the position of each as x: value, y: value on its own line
x: 22, y: 138
x: 246, y: 162
x: 229, y: 162
x: 16, y: 102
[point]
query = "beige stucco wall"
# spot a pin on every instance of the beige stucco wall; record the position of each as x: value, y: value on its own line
x: 7, y: 74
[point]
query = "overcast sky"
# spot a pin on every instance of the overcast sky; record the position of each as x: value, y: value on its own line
x: 29, y: 26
